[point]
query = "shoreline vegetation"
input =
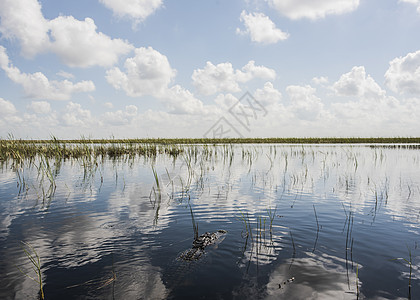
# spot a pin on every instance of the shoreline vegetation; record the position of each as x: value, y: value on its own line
x: 19, y: 149
x: 210, y: 141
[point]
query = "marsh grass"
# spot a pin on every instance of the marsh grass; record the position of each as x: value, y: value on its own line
x: 349, y: 244
x: 35, y: 261
x: 168, y: 141
x: 293, y: 243
x: 316, y: 218
x: 409, y: 262
x: 357, y: 281
x: 156, y: 177
x: 196, y: 153
x: 18, y: 150
x: 45, y: 171
x: 258, y: 235
x: 244, y: 217
x: 47, y: 156
x: 194, y: 224
x: 271, y: 215
x: 157, y: 193
x: 317, y: 229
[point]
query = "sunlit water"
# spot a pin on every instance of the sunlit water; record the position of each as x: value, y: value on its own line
x: 303, y: 222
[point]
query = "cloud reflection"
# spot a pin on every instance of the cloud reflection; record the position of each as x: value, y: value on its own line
x: 315, y: 277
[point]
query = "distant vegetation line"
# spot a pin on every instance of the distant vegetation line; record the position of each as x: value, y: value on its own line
x: 326, y: 140
x: 19, y: 150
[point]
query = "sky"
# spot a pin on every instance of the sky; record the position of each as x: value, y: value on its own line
x: 192, y: 69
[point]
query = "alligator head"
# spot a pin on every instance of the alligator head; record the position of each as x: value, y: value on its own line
x: 200, y: 243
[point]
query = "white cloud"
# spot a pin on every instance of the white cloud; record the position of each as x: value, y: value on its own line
x: 365, y: 110
x: 322, y: 80
x: 147, y: 73
x: 225, y: 101
x: 120, y: 117
x: 377, y: 117
x: 223, y: 78
x: 371, y: 111
x: 261, y: 29
x: 268, y: 95
x: 4, y: 58
x: 38, y: 86
x: 40, y: 107
x: 213, y: 78
x: 77, y: 43
x: 414, y: 2
x: 8, y: 116
x: 6, y: 108
x: 138, y: 10
x: 356, y: 83
x: 75, y: 116
x: 403, y: 74
x: 37, y: 123
x: 313, y: 9
x: 182, y: 101
x: 131, y: 110
x: 65, y: 75
x: 304, y: 103
x: 251, y: 71
x: 23, y: 19
x: 108, y: 105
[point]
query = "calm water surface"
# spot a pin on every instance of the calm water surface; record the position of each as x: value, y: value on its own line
x: 303, y: 222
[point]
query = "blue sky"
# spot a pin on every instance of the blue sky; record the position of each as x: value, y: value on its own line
x: 156, y: 68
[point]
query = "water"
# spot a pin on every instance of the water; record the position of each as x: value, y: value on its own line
x: 303, y: 222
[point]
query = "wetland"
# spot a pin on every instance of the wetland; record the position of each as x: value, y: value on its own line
x: 269, y: 219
